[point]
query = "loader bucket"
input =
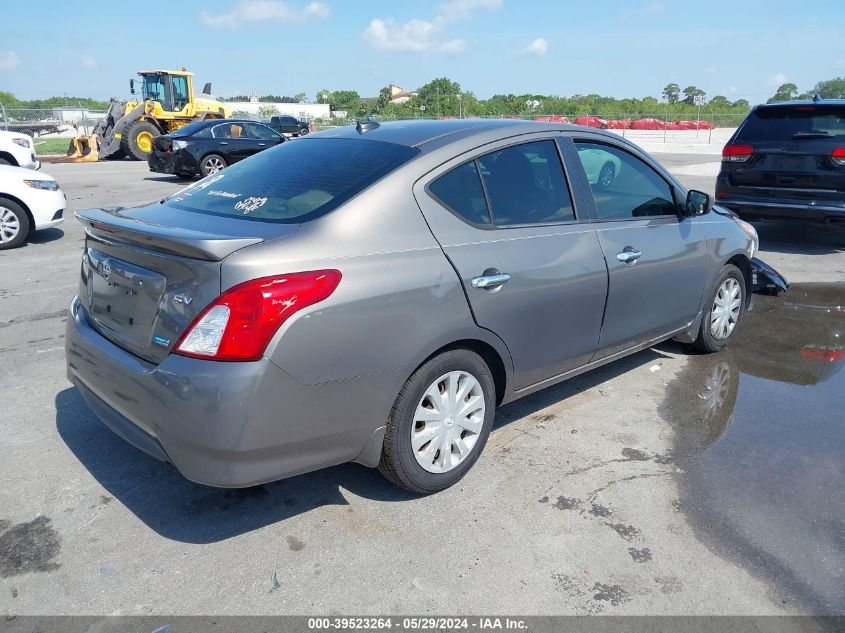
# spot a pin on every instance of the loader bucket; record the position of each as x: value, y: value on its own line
x: 83, y: 149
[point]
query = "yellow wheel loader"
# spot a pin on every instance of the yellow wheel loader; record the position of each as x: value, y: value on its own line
x: 167, y: 103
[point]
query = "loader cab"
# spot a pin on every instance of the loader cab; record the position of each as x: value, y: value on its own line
x: 172, y: 90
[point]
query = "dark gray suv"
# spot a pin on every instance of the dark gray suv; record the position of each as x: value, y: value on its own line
x: 372, y: 294
x: 787, y: 161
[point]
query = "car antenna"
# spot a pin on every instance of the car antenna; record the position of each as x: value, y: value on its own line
x: 366, y: 126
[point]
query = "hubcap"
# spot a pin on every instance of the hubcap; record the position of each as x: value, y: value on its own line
x: 726, y: 308
x: 145, y: 142
x: 9, y: 225
x: 448, y: 421
x: 213, y: 165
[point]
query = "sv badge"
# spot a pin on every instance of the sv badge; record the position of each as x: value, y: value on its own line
x: 183, y: 299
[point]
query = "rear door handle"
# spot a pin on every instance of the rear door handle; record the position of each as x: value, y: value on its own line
x: 629, y: 255
x: 223, y: 143
x: 490, y: 282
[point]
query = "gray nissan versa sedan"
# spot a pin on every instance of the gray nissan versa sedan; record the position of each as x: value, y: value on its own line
x: 372, y: 294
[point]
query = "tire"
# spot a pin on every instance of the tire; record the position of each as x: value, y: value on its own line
x: 730, y: 287
x: 211, y: 164
x: 136, y: 141
x: 14, y: 224
x: 607, y: 175
x: 427, y: 469
x: 303, y: 131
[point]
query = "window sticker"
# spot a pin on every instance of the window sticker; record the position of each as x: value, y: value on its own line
x: 250, y: 204
x: 223, y: 194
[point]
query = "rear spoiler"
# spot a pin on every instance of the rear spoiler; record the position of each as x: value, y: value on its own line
x: 109, y: 226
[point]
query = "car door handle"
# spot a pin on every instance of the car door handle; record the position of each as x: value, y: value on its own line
x: 262, y: 145
x: 490, y: 282
x: 224, y: 143
x: 629, y: 255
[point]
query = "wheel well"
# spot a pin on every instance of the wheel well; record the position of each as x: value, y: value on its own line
x: 9, y: 158
x: 8, y: 196
x: 490, y: 356
x: 742, y: 262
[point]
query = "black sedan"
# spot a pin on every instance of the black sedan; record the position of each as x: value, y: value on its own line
x: 206, y: 147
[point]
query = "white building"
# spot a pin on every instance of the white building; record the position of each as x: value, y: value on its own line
x: 298, y: 110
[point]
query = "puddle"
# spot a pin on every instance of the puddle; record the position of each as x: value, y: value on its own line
x: 760, y: 438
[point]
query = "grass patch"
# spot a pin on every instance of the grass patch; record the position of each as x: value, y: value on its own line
x: 46, y: 146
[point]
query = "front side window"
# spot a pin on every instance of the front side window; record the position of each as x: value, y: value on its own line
x: 623, y: 186
x: 262, y: 132
x: 525, y: 185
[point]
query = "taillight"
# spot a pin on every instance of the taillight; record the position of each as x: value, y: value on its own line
x: 238, y: 325
x: 838, y: 156
x: 737, y: 153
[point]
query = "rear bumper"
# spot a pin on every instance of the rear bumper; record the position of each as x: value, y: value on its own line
x: 171, y: 163
x: 782, y: 210
x: 222, y: 424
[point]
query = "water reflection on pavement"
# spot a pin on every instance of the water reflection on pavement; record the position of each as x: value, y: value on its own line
x: 760, y: 439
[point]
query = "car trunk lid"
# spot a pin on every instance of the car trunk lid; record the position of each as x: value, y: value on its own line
x: 147, y: 272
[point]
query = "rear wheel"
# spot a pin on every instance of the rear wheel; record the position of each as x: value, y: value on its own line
x: 14, y: 224
x: 137, y: 139
x: 211, y: 164
x: 439, y: 423
x: 723, y: 310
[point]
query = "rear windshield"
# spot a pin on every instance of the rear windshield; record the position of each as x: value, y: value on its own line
x: 789, y: 123
x: 294, y: 182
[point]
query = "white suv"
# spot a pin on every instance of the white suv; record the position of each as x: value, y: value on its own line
x: 18, y: 150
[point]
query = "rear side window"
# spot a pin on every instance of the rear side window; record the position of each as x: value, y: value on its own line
x: 294, y: 182
x: 229, y: 130
x: 790, y: 123
x: 525, y: 184
x: 460, y: 190
x: 623, y: 186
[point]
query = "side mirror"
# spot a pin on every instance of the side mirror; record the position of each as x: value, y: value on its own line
x: 698, y: 203
x: 132, y: 86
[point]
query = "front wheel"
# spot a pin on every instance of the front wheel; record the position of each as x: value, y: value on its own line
x: 724, y: 309
x: 439, y: 423
x: 14, y: 224
x: 137, y: 139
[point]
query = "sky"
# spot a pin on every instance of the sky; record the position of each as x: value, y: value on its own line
x: 737, y: 48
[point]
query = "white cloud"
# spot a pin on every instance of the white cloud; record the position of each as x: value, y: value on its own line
x: 425, y: 36
x: 777, y: 80
x: 654, y: 8
x: 251, y: 11
x: 414, y: 36
x: 87, y: 62
x: 536, y: 47
x: 9, y: 60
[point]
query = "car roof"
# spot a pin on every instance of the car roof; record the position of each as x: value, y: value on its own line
x: 418, y: 132
x: 803, y: 102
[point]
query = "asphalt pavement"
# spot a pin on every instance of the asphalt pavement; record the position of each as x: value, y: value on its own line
x: 665, y: 483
